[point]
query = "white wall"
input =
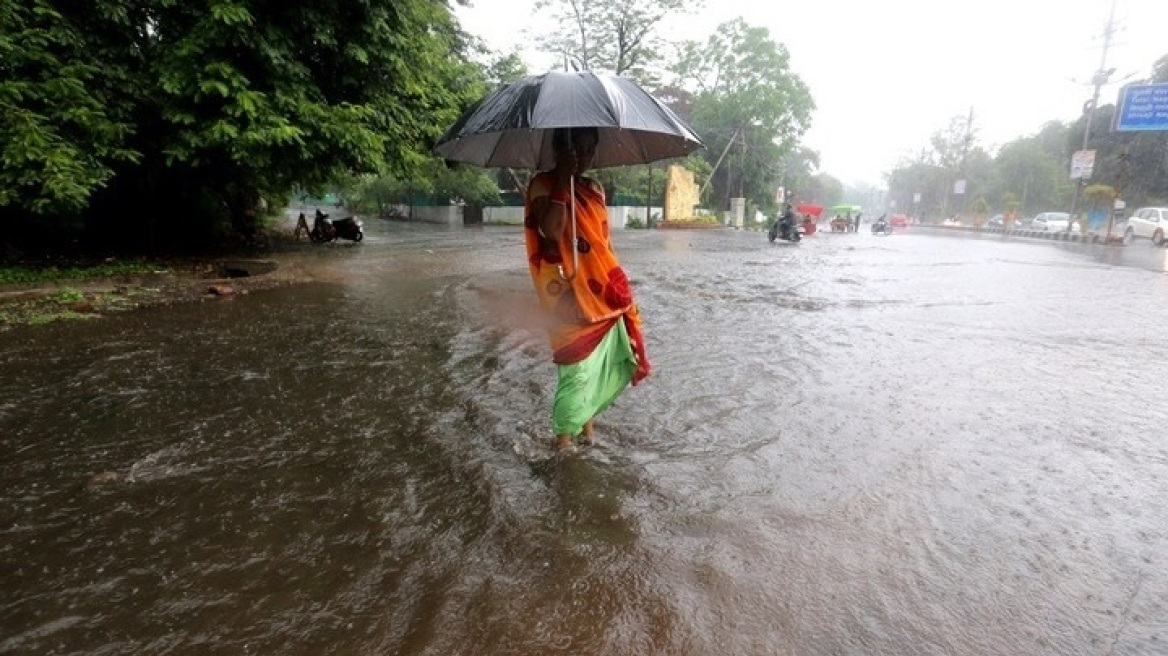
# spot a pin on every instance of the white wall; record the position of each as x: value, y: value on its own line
x: 507, y: 215
x: 444, y: 214
x: 618, y: 217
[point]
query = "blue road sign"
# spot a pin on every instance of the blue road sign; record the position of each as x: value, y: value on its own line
x: 1142, y: 107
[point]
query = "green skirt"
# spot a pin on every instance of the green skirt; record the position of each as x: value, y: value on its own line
x: 586, y: 388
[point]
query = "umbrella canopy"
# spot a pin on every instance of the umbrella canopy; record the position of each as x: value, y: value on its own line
x: 809, y: 209
x: 513, y: 125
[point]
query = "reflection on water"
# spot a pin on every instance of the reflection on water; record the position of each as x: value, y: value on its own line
x: 911, y: 445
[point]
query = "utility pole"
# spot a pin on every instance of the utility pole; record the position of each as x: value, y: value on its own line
x: 649, y: 199
x: 964, y: 158
x: 1100, y: 78
x: 733, y: 139
x: 961, y: 174
x: 741, y: 163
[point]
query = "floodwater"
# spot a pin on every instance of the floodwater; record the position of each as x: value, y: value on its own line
x: 916, y: 444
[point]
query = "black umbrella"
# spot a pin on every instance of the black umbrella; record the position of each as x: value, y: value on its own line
x: 512, y: 126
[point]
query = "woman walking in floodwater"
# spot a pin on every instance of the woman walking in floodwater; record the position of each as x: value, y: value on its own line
x: 595, y: 329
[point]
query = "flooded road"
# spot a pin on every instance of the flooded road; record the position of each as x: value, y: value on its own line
x: 919, y: 444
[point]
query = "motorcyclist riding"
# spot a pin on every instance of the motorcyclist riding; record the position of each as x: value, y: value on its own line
x: 786, y: 223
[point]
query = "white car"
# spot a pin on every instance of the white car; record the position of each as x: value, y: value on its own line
x: 1149, y: 223
x: 1052, y: 222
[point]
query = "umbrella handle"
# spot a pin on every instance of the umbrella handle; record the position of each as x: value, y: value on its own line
x: 575, y: 246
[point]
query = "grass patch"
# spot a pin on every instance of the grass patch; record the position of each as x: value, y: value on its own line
x: 10, y: 275
x: 68, y: 303
x: 41, y: 318
x: 68, y: 295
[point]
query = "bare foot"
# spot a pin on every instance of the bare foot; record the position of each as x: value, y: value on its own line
x: 586, y: 434
x: 564, y: 444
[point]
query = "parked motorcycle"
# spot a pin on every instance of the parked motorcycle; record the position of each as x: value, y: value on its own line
x: 325, y: 229
x: 785, y: 230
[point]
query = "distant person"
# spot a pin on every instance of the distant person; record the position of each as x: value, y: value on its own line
x: 858, y: 215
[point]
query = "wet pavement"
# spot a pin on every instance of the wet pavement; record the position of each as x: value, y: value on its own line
x: 915, y: 444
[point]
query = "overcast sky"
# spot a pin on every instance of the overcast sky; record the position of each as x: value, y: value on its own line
x: 886, y: 75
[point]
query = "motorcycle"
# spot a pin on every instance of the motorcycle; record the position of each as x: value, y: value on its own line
x: 882, y: 227
x: 325, y: 229
x: 785, y: 230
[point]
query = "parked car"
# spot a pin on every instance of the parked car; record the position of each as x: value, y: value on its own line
x: 1148, y: 223
x: 1052, y: 222
x: 898, y: 220
x: 996, y: 221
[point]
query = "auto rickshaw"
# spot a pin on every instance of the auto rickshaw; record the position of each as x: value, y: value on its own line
x: 845, y: 216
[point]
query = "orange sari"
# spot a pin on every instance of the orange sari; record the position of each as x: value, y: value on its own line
x: 587, y: 307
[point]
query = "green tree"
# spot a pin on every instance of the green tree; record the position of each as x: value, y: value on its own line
x: 506, y: 68
x: 614, y: 36
x: 205, y: 108
x: 500, y: 69
x: 955, y: 151
x: 822, y: 189
x: 1034, y: 170
x: 1099, y: 195
x: 980, y: 209
x: 1030, y: 169
x: 258, y: 96
x: 797, y: 172
x: 371, y: 194
x: 1031, y: 174
x: 747, y: 104
x: 1010, y: 202
x: 919, y: 175
x: 60, y: 133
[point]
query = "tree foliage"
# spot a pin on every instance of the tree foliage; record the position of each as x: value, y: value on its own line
x: 373, y: 194
x: 747, y: 104
x: 798, y: 176
x: 1034, y: 170
x: 1028, y: 173
x: 822, y: 189
x: 1099, y: 195
x: 614, y: 36
x: 1031, y: 174
x: 216, y: 104
x: 60, y: 135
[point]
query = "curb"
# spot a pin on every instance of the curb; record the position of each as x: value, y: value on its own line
x: 1069, y: 237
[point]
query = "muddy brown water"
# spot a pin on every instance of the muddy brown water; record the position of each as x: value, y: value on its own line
x: 917, y: 444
